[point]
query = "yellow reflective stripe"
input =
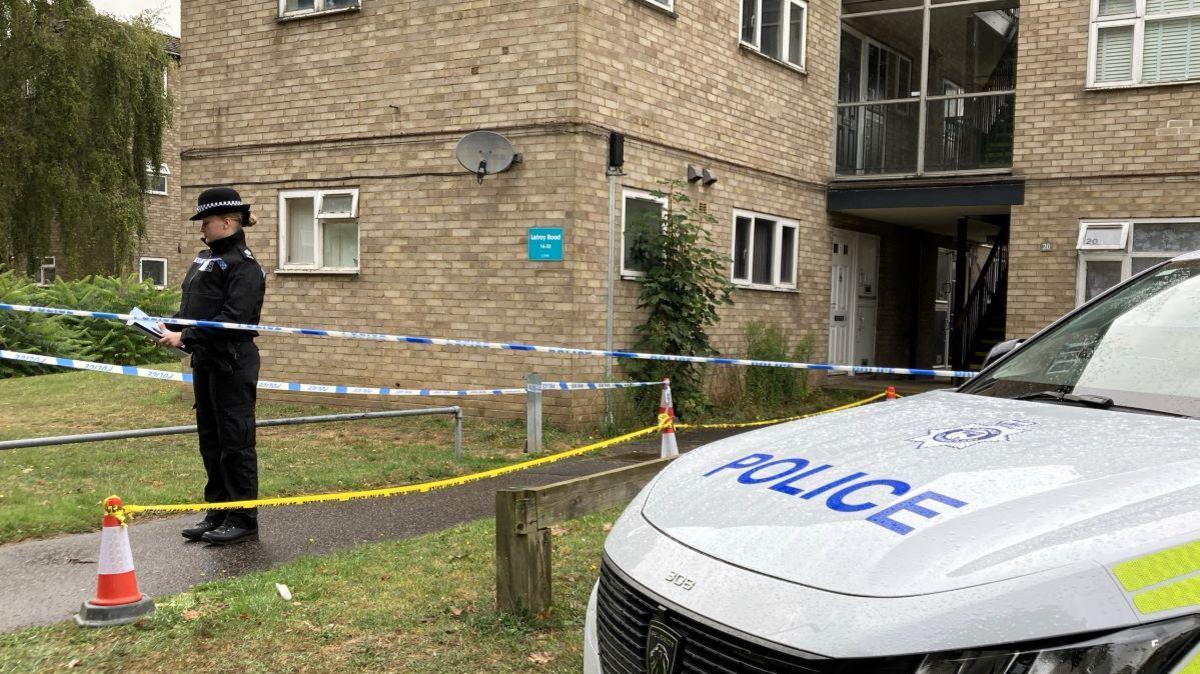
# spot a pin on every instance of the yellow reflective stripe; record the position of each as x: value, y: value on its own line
x: 1192, y: 667
x: 1176, y: 595
x: 1159, y: 566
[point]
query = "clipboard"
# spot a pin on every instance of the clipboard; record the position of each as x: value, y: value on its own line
x: 141, y: 321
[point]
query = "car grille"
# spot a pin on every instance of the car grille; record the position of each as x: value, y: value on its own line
x: 623, y: 615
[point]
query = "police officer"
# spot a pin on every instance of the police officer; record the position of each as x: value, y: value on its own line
x: 225, y: 284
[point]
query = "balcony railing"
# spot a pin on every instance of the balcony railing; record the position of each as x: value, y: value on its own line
x: 964, y: 133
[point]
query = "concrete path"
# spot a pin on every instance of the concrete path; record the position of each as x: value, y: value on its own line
x: 46, y: 580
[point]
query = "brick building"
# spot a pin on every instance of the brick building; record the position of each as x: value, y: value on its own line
x: 947, y: 166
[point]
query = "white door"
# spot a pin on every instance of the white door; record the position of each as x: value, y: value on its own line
x: 841, y: 300
x: 866, y: 297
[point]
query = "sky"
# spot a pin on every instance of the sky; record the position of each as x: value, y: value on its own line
x: 168, y: 11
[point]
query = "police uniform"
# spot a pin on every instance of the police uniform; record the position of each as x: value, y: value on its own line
x: 226, y: 284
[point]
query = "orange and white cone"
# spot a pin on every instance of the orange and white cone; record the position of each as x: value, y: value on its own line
x: 670, y: 447
x: 118, y: 600
x: 891, y: 393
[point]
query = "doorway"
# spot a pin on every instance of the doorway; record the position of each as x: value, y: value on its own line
x: 854, y: 298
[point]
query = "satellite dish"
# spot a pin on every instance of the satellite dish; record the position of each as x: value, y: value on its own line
x: 485, y: 152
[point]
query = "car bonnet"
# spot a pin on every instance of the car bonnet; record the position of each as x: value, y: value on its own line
x: 933, y: 493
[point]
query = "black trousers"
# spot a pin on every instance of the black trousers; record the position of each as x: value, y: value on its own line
x: 225, y: 396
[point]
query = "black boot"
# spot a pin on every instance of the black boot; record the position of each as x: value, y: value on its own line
x: 230, y: 533
x: 197, y: 530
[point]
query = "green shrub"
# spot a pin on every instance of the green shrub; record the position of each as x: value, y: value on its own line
x: 85, y: 338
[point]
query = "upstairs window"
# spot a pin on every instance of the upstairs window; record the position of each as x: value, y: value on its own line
x: 290, y: 8
x: 764, y: 251
x: 1144, y: 42
x: 318, y: 230
x: 776, y: 28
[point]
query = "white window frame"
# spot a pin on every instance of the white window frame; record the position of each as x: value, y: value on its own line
x: 626, y: 195
x: 1125, y: 255
x: 776, y: 263
x: 1085, y: 225
x: 318, y: 8
x: 142, y: 277
x: 164, y: 172
x: 317, y: 196
x: 42, y: 270
x: 1137, y: 19
x: 668, y: 5
x: 785, y: 42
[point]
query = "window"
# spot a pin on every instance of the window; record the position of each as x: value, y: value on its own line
x: 776, y: 28
x: 642, y: 216
x: 156, y: 181
x: 1112, y: 251
x: 303, y: 7
x: 46, y: 273
x: 153, y: 269
x: 764, y: 251
x: 318, y: 230
x: 668, y: 5
x: 1144, y: 42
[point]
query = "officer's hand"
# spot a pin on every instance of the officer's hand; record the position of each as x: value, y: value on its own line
x: 172, y: 339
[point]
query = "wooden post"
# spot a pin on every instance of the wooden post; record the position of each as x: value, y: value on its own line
x: 524, y: 518
x: 522, y: 554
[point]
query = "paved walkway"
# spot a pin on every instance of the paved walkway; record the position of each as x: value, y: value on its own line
x: 46, y: 580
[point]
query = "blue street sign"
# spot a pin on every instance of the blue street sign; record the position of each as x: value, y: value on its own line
x: 546, y: 244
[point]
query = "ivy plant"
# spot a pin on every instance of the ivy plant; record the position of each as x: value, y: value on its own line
x: 684, y: 284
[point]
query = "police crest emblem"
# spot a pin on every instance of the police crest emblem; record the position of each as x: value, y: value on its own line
x: 968, y: 435
x: 662, y: 648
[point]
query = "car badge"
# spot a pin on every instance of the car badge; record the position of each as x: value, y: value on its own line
x: 662, y: 648
x: 967, y: 435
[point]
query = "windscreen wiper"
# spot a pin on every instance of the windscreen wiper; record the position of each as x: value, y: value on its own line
x: 1071, y: 398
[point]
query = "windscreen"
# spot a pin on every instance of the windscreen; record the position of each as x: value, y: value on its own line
x: 1139, y: 346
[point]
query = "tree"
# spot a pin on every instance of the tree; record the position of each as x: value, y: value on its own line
x: 685, y: 282
x: 84, y: 111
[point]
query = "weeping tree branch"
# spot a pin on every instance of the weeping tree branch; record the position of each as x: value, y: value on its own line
x: 84, y: 116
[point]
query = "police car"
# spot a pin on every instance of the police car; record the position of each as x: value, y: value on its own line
x: 1044, y: 518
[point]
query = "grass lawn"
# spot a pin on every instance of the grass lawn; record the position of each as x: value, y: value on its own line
x: 51, y: 490
x: 424, y: 604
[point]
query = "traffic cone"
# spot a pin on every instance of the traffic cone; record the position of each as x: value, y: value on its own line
x: 891, y: 393
x: 669, y: 445
x: 117, y: 600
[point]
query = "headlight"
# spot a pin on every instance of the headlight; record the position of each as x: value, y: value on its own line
x: 1146, y: 649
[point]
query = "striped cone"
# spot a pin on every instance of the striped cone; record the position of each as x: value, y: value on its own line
x: 670, y: 447
x: 117, y: 599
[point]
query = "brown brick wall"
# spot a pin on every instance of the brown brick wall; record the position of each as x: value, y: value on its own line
x: 306, y: 104
x: 684, y: 81
x: 393, y: 67
x: 164, y: 226
x: 1065, y: 129
x: 1042, y: 285
x: 1116, y: 153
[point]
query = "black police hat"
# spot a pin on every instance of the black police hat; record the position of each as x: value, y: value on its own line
x: 218, y: 200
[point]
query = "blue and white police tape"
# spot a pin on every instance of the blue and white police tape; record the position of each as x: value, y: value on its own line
x: 441, y: 341
x: 131, y: 371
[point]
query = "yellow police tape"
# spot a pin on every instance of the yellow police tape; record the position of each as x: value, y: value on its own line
x: 129, y: 509
x: 768, y: 422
